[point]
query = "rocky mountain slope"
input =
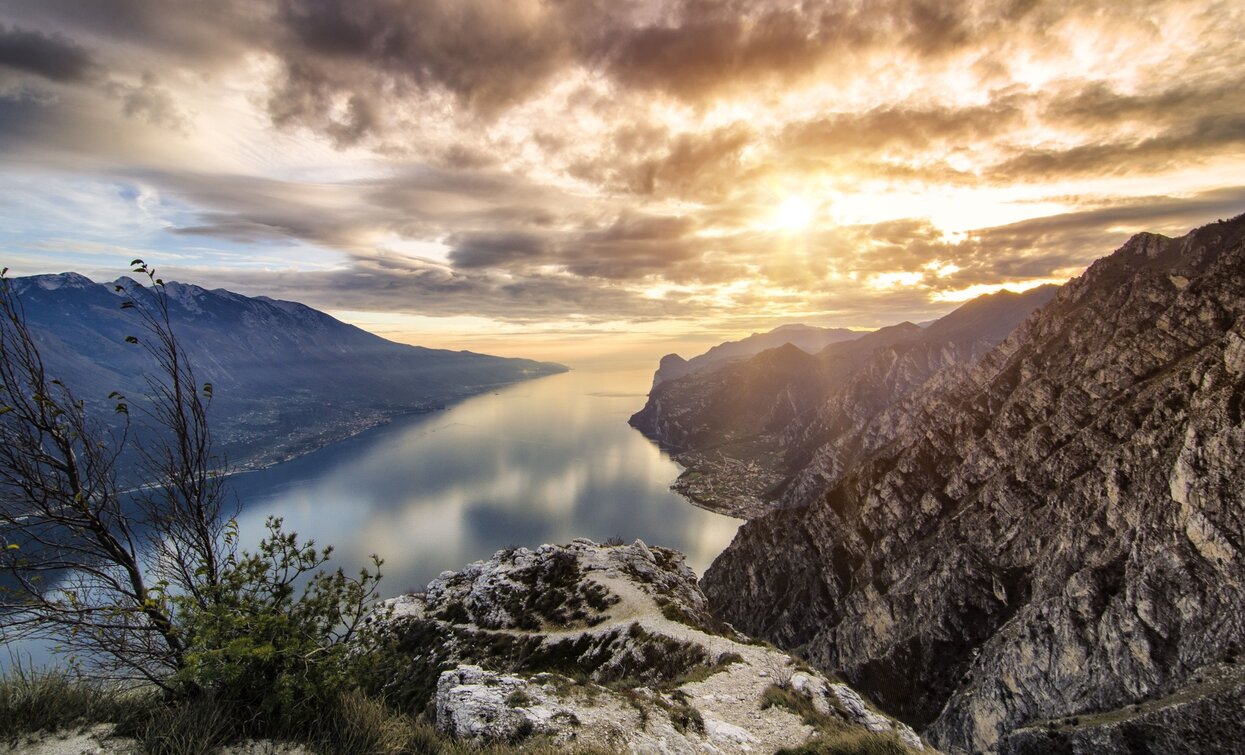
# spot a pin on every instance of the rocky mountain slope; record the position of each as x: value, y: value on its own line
x: 804, y: 337
x: 609, y: 647
x: 1052, y: 536
x: 286, y: 377
x: 757, y: 434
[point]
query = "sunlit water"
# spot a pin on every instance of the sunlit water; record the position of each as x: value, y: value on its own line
x: 543, y: 461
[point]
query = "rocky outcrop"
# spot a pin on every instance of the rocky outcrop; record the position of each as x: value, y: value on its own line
x: 1055, y: 532
x: 606, y: 646
x: 763, y: 433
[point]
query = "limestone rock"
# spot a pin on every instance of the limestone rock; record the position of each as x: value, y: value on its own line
x: 588, y: 645
x: 1055, y: 532
x: 476, y: 704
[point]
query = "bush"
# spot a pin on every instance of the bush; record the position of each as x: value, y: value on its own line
x: 276, y: 656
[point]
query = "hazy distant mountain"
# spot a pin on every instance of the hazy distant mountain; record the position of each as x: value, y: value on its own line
x: 747, y: 430
x: 1041, y: 553
x: 286, y: 377
x: 804, y: 337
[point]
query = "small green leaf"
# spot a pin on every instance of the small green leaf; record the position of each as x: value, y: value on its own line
x: 131, y: 339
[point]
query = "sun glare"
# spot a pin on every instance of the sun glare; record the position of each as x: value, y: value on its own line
x: 794, y: 214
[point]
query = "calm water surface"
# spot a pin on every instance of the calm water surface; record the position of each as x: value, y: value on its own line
x: 544, y: 461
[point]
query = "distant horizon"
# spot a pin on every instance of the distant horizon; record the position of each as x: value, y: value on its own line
x: 615, y: 355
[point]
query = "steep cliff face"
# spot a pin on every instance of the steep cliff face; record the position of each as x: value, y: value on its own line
x: 1056, y: 531
x: 761, y: 433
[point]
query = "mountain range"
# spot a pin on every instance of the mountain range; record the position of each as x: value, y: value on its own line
x: 754, y: 433
x: 1024, y: 546
x: 286, y: 377
x: 804, y: 337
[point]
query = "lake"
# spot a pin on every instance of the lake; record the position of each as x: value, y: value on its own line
x: 542, y: 461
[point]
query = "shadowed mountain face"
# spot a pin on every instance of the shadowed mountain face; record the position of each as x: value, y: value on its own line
x: 1056, y: 531
x: 758, y: 433
x: 804, y: 337
x: 286, y: 377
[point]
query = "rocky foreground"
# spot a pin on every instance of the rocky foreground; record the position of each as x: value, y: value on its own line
x: 610, y: 647
x: 583, y: 648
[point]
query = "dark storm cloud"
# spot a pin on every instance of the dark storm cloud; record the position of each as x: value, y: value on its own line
x: 1131, y: 133
x: 1196, y: 141
x: 418, y: 203
x: 241, y: 230
x: 707, y: 47
x: 52, y: 56
x: 393, y: 284
x: 475, y: 250
x: 189, y: 32
x: 487, y: 55
x: 490, y: 56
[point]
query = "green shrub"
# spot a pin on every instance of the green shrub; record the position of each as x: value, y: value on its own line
x: 257, y: 644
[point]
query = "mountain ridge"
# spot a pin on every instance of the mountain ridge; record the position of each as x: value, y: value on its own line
x: 808, y: 338
x: 1052, y: 532
x: 747, y: 430
x: 287, y: 378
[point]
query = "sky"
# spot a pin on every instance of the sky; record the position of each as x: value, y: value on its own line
x: 587, y: 180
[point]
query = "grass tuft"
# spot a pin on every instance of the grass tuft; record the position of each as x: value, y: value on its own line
x: 854, y: 742
x: 197, y: 727
x: 47, y: 701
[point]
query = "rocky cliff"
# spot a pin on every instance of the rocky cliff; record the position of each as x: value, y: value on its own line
x: 760, y: 433
x: 1054, y: 533
x: 608, y: 647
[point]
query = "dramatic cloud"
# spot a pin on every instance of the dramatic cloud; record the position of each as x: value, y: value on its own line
x: 48, y: 55
x: 696, y: 163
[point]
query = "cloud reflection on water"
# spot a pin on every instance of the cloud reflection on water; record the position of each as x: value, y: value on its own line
x: 543, y: 461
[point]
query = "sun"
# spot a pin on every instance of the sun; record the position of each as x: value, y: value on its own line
x: 794, y: 214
